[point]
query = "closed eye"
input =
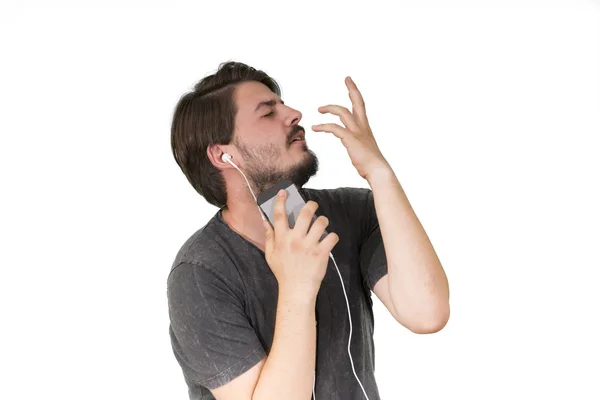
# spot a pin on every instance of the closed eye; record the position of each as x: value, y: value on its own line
x: 269, y: 114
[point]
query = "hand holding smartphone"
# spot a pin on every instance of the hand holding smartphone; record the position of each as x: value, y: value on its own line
x: 297, y: 248
x: 293, y: 205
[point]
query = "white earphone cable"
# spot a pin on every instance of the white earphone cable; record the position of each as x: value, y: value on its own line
x: 349, y: 319
x: 227, y: 158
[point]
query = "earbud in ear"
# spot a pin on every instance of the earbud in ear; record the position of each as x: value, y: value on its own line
x: 225, y: 157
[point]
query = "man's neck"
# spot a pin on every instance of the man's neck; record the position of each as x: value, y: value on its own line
x: 244, y: 219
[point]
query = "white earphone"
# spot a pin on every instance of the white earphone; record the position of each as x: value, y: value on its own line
x: 227, y: 158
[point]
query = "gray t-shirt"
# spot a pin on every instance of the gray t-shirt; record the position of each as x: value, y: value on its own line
x: 222, y: 298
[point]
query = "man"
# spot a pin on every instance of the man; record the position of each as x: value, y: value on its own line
x: 259, y: 312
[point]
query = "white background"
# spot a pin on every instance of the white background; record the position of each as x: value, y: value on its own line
x: 488, y: 111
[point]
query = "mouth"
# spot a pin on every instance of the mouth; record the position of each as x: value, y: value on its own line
x: 299, y: 137
x: 298, y: 142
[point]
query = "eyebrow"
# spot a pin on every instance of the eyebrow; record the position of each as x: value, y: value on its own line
x: 269, y: 103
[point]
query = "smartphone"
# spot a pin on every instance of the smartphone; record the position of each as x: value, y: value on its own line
x: 293, y: 204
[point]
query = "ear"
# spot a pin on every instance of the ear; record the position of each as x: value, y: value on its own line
x: 214, y: 154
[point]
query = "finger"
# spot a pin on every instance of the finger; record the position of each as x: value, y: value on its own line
x: 305, y: 217
x: 342, y: 112
x: 280, y: 220
x: 329, y: 242
x: 358, y: 103
x: 317, y: 229
x: 337, y: 130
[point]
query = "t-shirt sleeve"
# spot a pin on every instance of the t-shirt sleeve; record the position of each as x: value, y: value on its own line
x: 212, y: 337
x: 372, y: 259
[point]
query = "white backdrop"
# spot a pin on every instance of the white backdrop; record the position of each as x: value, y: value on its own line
x: 488, y: 111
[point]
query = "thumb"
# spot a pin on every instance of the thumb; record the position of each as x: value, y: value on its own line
x: 268, y: 236
x: 268, y: 230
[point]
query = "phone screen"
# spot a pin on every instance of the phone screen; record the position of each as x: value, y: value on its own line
x: 293, y: 205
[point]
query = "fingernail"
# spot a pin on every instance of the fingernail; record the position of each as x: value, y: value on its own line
x: 281, y: 192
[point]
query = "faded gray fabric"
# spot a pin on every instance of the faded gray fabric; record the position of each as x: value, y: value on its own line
x: 222, y: 298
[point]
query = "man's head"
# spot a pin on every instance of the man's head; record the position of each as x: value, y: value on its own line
x: 238, y: 110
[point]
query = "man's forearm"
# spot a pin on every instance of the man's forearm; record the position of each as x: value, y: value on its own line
x: 288, y: 372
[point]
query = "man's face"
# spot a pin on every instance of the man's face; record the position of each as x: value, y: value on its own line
x: 263, y: 134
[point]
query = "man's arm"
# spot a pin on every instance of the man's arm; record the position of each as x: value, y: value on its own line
x: 416, y: 284
x: 288, y: 371
x: 219, y: 349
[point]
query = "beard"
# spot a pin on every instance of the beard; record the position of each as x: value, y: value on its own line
x: 262, y: 177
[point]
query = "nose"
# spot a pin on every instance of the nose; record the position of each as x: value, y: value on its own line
x: 293, y: 116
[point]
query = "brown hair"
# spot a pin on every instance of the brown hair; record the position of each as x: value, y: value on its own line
x: 205, y: 117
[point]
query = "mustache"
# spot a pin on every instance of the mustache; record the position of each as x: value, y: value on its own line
x: 295, y: 129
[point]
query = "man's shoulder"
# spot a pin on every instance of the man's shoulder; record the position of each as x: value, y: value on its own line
x: 203, y: 247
